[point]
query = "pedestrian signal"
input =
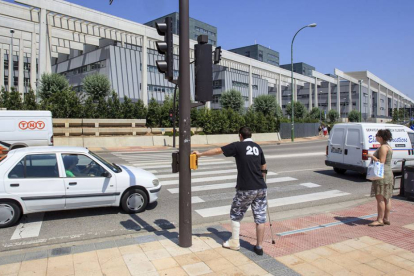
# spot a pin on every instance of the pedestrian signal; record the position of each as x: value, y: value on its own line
x: 193, y: 161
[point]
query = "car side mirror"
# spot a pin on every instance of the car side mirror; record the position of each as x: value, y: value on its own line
x: 106, y: 174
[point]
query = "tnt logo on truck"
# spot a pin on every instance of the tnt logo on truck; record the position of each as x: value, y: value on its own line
x: 32, y: 125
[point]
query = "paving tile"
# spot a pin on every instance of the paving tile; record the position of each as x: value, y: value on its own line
x: 105, y: 245
x: 231, y: 271
x: 139, y: 267
x: 176, y: 271
x: 373, y: 250
x: 290, y: 260
x: 36, y: 255
x: 366, y: 270
x: 146, y: 239
x: 252, y: 269
x: 272, y: 265
x: 9, y: 269
x: 345, y: 272
x: 116, y: 271
x: 85, y: 257
x: 390, y: 248
x: 151, y: 246
x: 157, y: 254
x: 83, y: 248
x: 402, y: 272
x: 355, y: 243
x: 130, y: 249
x: 87, y: 267
x: 306, y: 269
x: 197, y: 269
x: 33, y: 265
x: 409, y: 226
x: 360, y: 256
x: 327, y: 265
x: 238, y: 259
x: 187, y: 259
x: 199, y: 245
x: 125, y: 242
x: 308, y: 256
x: 11, y: 259
x: 60, y: 266
x: 384, y: 266
x: 220, y: 264
x: 108, y: 254
x: 208, y: 255
x: 166, y: 263
x: 213, y: 242
x: 325, y: 251
x: 369, y: 240
x: 399, y: 261
x: 341, y: 248
x: 344, y: 261
x: 407, y: 255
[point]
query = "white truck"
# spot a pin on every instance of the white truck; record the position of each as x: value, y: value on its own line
x: 349, y: 145
x: 27, y: 128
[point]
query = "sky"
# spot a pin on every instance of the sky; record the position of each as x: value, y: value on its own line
x: 351, y: 35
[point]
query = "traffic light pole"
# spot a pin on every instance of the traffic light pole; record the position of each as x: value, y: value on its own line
x: 174, y: 114
x: 185, y: 221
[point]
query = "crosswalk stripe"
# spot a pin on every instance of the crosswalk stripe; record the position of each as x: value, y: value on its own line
x: 30, y: 228
x: 169, y: 166
x: 196, y: 199
x: 228, y: 185
x: 203, y: 168
x: 294, y: 155
x: 277, y: 202
x: 207, y: 179
x: 169, y: 162
x: 175, y: 175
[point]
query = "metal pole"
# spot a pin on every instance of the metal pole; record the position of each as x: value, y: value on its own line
x: 360, y: 103
x: 185, y: 221
x: 174, y: 112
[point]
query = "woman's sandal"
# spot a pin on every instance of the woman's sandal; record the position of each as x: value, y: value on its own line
x: 387, y: 222
x: 376, y: 223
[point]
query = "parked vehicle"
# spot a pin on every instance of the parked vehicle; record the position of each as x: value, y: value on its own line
x: 349, y: 145
x: 25, y: 129
x: 40, y: 179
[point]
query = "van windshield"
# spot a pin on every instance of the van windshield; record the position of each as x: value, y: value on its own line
x: 112, y: 166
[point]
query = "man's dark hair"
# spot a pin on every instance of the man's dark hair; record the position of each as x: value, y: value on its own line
x: 245, y: 132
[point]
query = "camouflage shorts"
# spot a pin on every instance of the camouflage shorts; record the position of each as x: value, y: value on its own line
x: 244, y: 199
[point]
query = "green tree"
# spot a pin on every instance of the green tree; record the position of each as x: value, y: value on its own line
x: 267, y: 105
x: 315, y: 113
x: 51, y: 84
x: 165, y: 112
x: 204, y: 120
x: 128, y: 109
x: 235, y: 120
x: 353, y: 116
x: 300, y: 110
x: 30, y: 101
x: 154, y: 113
x: 89, y: 109
x: 395, y: 115
x: 140, y: 111
x: 64, y: 104
x: 97, y: 86
x: 114, y: 107
x: 15, y: 101
x: 4, y: 98
x: 232, y: 99
x: 102, y: 108
x: 250, y: 119
x: 333, y: 115
x: 219, y: 123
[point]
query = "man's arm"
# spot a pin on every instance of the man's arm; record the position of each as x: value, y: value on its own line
x: 211, y: 152
x: 263, y: 167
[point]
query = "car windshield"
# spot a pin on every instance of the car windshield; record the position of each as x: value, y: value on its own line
x: 115, y: 168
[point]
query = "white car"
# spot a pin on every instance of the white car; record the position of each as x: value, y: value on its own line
x: 40, y: 179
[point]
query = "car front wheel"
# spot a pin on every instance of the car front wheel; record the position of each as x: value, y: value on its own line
x: 9, y: 213
x: 134, y: 201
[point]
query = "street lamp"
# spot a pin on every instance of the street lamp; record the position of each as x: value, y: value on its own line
x: 319, y: 103
x: 360, y: 99
x: 291, y: 63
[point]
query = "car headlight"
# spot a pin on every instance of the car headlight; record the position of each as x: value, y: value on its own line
x: 155, y: 182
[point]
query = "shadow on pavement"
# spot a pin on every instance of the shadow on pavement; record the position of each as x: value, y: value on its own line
x: 349, y: 175
x: 353, y: 221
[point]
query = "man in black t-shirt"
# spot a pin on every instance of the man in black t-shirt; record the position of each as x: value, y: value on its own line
x: 251, y: 189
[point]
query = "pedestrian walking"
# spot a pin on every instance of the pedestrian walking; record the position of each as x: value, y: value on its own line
x: 325, y: 131
x: 382, y: 189
x: 251, y: 189
x: 320, y: 130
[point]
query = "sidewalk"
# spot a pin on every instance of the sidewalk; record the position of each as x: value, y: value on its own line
x: 160, y: 148
x: 333, y: 243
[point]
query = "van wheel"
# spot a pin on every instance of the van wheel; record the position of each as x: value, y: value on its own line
x: 9, y: 213
x: 339, y: 171
x: 134, y: 201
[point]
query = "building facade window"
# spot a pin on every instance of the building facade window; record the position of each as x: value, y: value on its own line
x: 261, y: 55
x: 216, y: 98
x: 162, y: 89
x: 86, y: 68
x: 240, y: 84
x: 217, y: 84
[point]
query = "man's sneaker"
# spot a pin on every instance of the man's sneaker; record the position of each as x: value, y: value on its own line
x: 258, y: 251
x: 232, y: 244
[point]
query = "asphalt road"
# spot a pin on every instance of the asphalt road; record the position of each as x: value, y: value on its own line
x: 298, y: 178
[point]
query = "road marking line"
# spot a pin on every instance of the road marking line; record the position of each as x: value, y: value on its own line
x: 228, y: 185
x: 206, y: 179
x: 287, y: 233
x: 169, y: 166
x: 304, y: 170
x: 175, y: 175
x: 310, y: 185
x: 294, y: 155
x: 203, y: 162
x: 223, y: 210
x: 196, y: 199
x: 202, y: 168
x: 29, y: 228
x: 152, y: 171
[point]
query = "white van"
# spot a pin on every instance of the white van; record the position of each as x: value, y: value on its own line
x: 27, y: 128
x: 349, y: 145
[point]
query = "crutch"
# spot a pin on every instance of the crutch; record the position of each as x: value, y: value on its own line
x: 268, y: 214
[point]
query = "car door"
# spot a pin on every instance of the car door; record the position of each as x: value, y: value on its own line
x: 35, y: 179
x: 87, y: 182
x: 353, y: 147
x: 336, y: 145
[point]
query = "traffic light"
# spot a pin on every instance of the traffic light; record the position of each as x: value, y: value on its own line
x: 203, y: 70
x: 165, y: 48
x: 217, y: 55
x: 171, y: 114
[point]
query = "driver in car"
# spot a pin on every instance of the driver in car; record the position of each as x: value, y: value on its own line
x: 71, y: 168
